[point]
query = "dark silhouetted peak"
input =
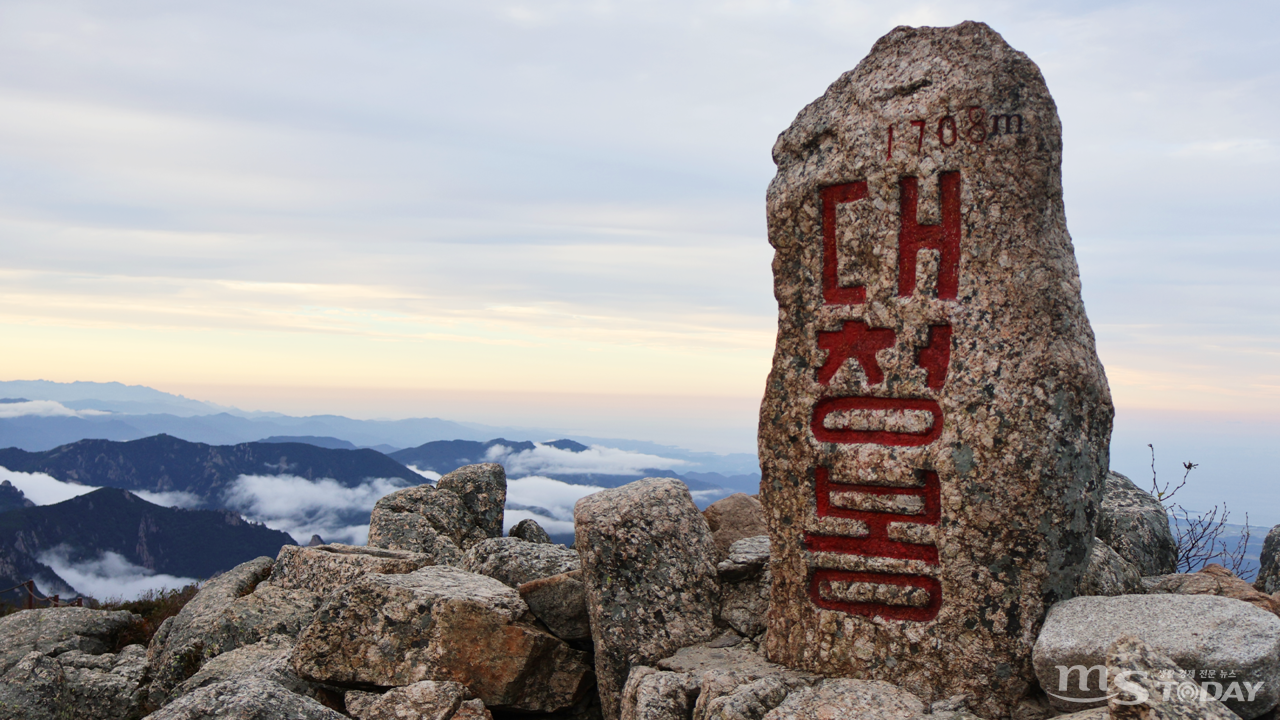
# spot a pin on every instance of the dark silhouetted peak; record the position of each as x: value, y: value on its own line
x: 316, y: 540
x: 569, y: 445
x: 11, y: 498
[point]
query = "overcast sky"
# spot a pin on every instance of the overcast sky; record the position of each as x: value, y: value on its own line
x: 552, y: 213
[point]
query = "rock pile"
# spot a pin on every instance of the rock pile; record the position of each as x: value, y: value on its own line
x: 640, y: 622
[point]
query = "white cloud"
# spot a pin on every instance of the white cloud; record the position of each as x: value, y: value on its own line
x: 42, y: 489
x: 548, y: 460
x: 175, y: 498
x: 43, y: 408
x: 111, y: 575
x: 556, y: 497
x: 303, y: 507
x: 428, y: 474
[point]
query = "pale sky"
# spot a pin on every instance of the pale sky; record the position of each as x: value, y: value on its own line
x: 552, y: 213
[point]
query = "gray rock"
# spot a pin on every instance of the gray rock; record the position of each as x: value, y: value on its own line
x: 426, y: 700
x: 748, y: 701
x: 472, y: 710
x: 441, y: 623
x: 1134, y: 524
x: 720, y: 683
x: 1197, y: 632
x: 840, y: 698
x: 232, y: 610
x: 483, y: 489
x: 267, y: 659
x: 1147, y: 690
x: 651, y: 585
x: 656, y: 695
x: 324, y: 568
x: 247, y: 698
x: 74, y: 684
x: 560, y: 602
x: 529, y: 529
x: 1268, y: 580
x: 1108, y: 574
x: 422, y: 519
x: 744, y: 585
x: 513, y: 561
x: 53, y: 631
x: 1094, y: 714
x: 734, y: 518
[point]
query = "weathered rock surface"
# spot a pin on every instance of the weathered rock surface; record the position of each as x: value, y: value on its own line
x: 704, y: 682
x: 862, y: 699
x: 529, y: 529
x: 560, y: 602
x: 440, y: 623
x: 744, y: 585
x: 936, y: 414
x: 1213, y: 579
x: 647, y: 563
x: 74, y: 684
x: 324, y: 568
x: 1108, y: 573
x: 424, y: 520
x: 267, y: 659
x: 513, y: 561
x: 483, y: 489
x: 1268, y: 580
x: 198, y: 632
x: 656, y: 695
x: 54, y: 631
x: 1144, y: 694
x: 1134, y: 524
x: 1197, y: 632
x: 428, y: 700
x: 464, y: 508
x: 247, y: 698
x: 733, y: 518
x: 231, y: 611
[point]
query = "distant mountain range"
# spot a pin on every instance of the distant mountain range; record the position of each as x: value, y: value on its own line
x: 184, y: 543
x: 165, y: 464
x: 112, y: 411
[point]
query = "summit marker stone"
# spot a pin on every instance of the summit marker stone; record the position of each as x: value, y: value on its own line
x: 934, y: 433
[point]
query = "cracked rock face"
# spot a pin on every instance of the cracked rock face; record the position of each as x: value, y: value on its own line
x: 464, y: 508
x: 322, y: 569
x: 648, y: 566
x: 1134, y: 524
x: 1197, y: 632
x: 445, y: 624
x: 513, y: 561
x: 934, y: 432
x: 231, y: 611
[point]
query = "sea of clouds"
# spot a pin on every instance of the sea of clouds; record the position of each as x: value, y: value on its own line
x: 337, y: 513
x: 108, y: 576
x: 43, y: 408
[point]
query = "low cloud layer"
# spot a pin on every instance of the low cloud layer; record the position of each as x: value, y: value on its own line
x: 110, y: 575
x: 43, y: 489
x: 43, y: 408
x: 175, y: 498
x: 303, y: 507
x: 549, y: 502
x: 549, y: 460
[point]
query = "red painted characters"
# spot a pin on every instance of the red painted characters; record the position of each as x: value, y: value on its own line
x: 894, y: 523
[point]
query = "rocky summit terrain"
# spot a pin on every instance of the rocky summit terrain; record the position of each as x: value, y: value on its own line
x: 659, y: 613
